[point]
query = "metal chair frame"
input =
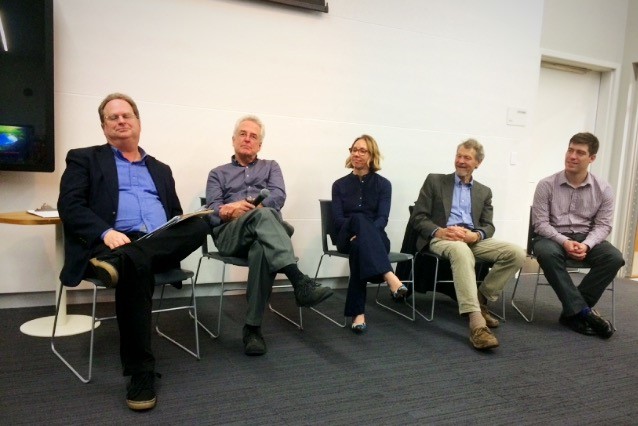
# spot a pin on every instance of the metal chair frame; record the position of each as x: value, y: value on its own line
x: 161, y: 279
x: 573, y: 267
x: 438, y: 260
x: 394, y: 257
x: 241, y: 262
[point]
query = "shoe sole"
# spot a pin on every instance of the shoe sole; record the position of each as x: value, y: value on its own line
x: 315, y: 303
x: 105, y: 272
x: 141, y: 405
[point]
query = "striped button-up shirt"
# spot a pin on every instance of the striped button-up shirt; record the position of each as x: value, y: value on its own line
x: 559, y: 209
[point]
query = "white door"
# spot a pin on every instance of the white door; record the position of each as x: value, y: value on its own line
x: 567, y: 103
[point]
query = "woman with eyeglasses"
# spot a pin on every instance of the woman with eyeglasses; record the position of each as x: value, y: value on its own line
x: 360, y: 207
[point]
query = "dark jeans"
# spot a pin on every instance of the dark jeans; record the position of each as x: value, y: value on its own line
x: 604, y: 261
x: 135, y: 287
x: 368, y: 259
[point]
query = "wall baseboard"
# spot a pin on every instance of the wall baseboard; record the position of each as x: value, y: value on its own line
x: 81, y: 296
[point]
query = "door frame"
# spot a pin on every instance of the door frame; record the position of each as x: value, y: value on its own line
x: 622, y: 234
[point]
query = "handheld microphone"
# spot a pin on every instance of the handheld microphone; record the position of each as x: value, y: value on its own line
x: 263, y: 194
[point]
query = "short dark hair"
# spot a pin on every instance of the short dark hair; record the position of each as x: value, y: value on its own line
x: 112, y: 96
x: 588, y: 139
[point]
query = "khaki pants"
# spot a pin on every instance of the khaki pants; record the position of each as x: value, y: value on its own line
x: 507, y: 258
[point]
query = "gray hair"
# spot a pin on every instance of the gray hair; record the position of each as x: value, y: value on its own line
x: 476, y: 146
x: 255, y: 120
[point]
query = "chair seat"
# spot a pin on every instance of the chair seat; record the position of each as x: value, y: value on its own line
x: 327, y: 229
x: 236, y: 261
x: 173, y: 275
x: 571, y: 265
x: 241, y: 262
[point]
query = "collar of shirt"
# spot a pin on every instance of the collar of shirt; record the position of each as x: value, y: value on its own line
x: 458, y: 181
x: 562, y: 180
x: 119, y: 154
x: 234, y: 162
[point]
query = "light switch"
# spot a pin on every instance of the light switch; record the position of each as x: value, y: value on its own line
x: 513, y: 158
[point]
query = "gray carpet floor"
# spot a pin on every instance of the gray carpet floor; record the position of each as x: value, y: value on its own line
x: 400, y: 372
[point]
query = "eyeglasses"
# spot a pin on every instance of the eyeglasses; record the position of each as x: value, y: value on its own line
x: 361, y: 151
x: 114, y: 117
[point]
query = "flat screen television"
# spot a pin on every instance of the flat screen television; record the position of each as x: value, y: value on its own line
x: 26, y: 86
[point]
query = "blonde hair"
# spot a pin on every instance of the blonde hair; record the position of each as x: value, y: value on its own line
x: 373, y: 149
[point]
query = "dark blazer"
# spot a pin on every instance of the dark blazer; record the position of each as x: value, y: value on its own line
x: 88, y: 202
x: 432, y: 208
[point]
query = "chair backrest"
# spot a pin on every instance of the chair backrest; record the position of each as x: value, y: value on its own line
x: 327, y: 223
x: 202, y: 201
x: 530, y: 235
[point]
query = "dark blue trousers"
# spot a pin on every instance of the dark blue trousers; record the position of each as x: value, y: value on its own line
x: 604, y: 260
x: 368, y: 258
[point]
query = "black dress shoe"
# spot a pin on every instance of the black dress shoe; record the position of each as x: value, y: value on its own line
x: 107, y: 269
x: 254, y: 344
x: 310, y: 293
x: 600, y: 325
x: 578, y: 324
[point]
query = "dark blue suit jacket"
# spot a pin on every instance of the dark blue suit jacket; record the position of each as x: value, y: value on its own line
x: 88, y: 203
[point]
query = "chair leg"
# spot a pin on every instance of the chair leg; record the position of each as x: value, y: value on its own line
x: 513, y: 303
x: 212, y: 334
x: 410, y: 284
x: 192, y: 308
x: 613, y: 302
x: 436, y: 279
x: 299, y: 324
x: 87, y: 378
x: 338, y: 324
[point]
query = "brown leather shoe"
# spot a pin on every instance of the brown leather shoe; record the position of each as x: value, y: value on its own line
x: 489, y: 319
x: 482, y: 338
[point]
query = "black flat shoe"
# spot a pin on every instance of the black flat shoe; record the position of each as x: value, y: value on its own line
x: 399, y: 294
x: 359, y: 328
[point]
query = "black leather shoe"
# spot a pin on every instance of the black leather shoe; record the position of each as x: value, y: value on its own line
x: 254, y: 343
x: 310, y: 293
x: 577, y: 323
x: 600, y: 325
x: 106, y: 269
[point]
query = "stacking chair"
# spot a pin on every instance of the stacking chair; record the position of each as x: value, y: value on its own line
x: 573, y: 266
x: 327, y: 228
x: 241, y: 262
x: 431, y: 270
x: 442, y: 274
x: 162, y: 279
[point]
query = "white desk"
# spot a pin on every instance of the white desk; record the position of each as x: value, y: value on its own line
x: 67, y: 324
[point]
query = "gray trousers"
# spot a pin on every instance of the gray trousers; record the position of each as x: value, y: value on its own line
x: 260, y: 237
x: 604, y: 260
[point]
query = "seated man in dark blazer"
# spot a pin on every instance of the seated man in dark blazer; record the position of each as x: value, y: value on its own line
x: 111, y: 195
x: 453, y: 216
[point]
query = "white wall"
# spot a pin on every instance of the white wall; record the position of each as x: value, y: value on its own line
x: 418, y: 75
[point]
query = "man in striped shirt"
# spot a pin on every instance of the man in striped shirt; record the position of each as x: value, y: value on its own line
x: 572, y: 215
